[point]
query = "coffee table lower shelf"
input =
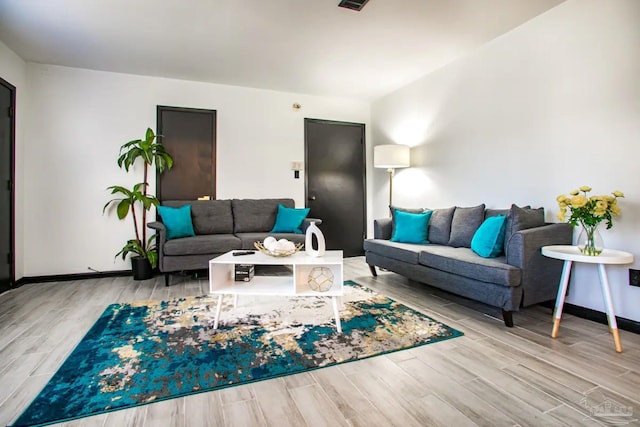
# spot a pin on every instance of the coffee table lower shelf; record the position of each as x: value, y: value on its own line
x: 296, y: 284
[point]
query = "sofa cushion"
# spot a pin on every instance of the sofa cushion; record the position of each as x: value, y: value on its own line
x: 248, y: 239
x: 251, y: 215
x: 488, y: 242
x: 522, y: 219
x: 393, y: 210
x: 464, y: 262
x: 407, y: 252
x: 289, y: 220
x: 525, y: 218
x: 488, y: 213
x: 177, y: 221
x: 208, y: 216
x: 440, y: 226
x: 202, y: 245
x: 411, y: 227
x: 464, y: 224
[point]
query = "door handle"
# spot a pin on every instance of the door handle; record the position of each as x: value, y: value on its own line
x: 312, y: 198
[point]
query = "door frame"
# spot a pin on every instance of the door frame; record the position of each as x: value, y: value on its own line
x: 12, y: 166
x: 214, y: 138
x: 364, y: 164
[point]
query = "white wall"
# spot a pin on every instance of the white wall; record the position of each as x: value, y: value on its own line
x: 14, y: 70
x: 79, y: 120
x: 542, y: 110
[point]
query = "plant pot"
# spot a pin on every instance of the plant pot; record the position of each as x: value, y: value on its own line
x: 141, y: 268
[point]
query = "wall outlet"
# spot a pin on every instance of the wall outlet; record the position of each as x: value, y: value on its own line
x: 634, y: 277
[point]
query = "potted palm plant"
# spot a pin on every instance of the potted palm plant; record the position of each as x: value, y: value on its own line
x: 152, y: 153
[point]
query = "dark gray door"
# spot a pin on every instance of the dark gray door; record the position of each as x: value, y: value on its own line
x: 189, y: 135
x: 335, y: 182
x: 7, y: 127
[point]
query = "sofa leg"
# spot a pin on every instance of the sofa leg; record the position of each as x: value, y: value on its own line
x: 166, y: 279
x: 374, y: 273
x: 507, y: 316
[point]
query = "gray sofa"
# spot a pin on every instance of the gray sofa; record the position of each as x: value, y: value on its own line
x: 521, y: 276
x: 220, y: 226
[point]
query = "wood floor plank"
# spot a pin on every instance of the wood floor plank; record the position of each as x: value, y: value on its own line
x: 386, y: 401
x: 96, y: 421
x: 524, y: 412
x: 238, y: 393
x: 398, y: 381
x: 245, y: 413
x: 17, y: 350
x: 342, y: 392
x: 299, y: 380
x: 571, y: 417
x: 448, y: 389
x: 371, y: 418
x: 316, y: 407
x: 204, y: 410
x: 478, y: 361
x: 435, y: 359
x: 628, y: 359
x: 532, y: 362
x: 15, y: 404
x: 167, y: 413
x: 432, y: 411
x: 128, y: 292
x: 561, y: 392
x: 133, y: 417
x: 17, y: 372
x: 276, y: 404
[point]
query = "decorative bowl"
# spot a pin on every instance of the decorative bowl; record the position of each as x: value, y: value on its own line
x: 259, y: 246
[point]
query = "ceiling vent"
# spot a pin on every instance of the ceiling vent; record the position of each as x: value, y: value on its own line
x: 353, y: 4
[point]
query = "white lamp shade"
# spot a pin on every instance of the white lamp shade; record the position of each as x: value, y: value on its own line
x: 391, y: 156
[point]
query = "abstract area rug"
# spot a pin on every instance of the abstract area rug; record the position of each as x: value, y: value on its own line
x: 148, y: 351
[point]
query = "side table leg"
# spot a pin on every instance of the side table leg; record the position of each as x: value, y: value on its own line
x: 608, y: 304
x: 336, y: 312
x: 216, y: 319
x: 562, y: 293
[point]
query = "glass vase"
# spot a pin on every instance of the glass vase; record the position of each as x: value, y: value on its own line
x: 590, y: 240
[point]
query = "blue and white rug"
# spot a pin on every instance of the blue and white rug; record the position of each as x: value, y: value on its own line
x: 148, y: 351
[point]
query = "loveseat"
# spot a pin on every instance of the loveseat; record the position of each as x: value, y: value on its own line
x: 220, y: 226
x: 519, y: 275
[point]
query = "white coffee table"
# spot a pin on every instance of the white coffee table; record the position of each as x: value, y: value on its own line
x: 222, y: 281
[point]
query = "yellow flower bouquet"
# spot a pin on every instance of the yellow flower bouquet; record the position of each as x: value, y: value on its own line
x: 589, y: 212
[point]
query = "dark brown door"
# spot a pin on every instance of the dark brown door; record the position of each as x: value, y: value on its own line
x: 189, y: 135
x: 335, y: 182
x: 7, y: 135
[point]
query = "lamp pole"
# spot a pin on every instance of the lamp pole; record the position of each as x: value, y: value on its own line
x: 390, y: 170
x: 390, y: 157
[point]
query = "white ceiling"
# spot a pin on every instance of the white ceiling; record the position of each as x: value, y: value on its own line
x: 303, y: 46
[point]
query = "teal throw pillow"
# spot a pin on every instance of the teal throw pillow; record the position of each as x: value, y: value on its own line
x: 411, y: 227
x: 289, y: 220
x: 488, y: 240
x: 177, y: 221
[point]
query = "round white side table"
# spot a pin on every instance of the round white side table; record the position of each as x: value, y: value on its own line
x: 571, y: 254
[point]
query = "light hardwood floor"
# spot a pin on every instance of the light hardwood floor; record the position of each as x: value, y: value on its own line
x: 493, y: 376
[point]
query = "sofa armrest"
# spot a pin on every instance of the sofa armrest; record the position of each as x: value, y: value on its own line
x: 157, y: 225
x: 540, y: 275
x: 307, y: 222
x: 161, y: 233
x: 382, y: 228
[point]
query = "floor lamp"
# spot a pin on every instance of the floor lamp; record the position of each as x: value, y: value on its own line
x: 390, y: 157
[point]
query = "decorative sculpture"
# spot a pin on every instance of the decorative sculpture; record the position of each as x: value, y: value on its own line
x: 313, y: 230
